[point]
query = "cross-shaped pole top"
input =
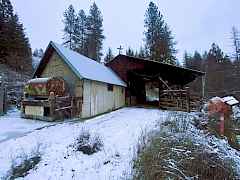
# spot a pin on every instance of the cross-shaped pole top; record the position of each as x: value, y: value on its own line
x: 120, y: 49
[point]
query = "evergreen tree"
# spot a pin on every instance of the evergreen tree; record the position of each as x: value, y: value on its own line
x: 15, y: 49
x: 6, y: 10
x: 158, y: 37
x: 69, y: 26
x: 215, y: 54
x: 38, y: 52
x: 95, y: 35
x: 130, y: 52
x: 142, y: 53
x: 236, y: 43
x: 187, y: 60
x: 109, y: 56
x: 197, y: 61
x: 35, y: 52
x: 80, y: 33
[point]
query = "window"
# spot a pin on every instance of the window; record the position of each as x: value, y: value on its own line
x: 110, y: 87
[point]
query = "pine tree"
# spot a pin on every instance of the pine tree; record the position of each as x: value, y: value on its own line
x: 142, y: 53
x: 215, y: 53
x: 69, y: 26
x: 109, y: 56
x: 6, y: 14
x: 187, y: 60
x: 15, y: 50
x: 38, y: 52
x: 95, y: 35
x: 130, y: 52
x: 6, y: 10
x: 80, y: 33
x: 236, y: 43
x: 158, y: 37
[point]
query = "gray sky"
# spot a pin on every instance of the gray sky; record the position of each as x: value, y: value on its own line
x: 195, y: 24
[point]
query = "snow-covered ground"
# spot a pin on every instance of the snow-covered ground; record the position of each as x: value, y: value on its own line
x: 13, y: 126
x: 119, y: 131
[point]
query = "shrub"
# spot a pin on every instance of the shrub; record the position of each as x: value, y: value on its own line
x: 23, y: 169
x: 172, y: 153
x: 22, y: 164
x: 172, y: 158
x: 88, y: 144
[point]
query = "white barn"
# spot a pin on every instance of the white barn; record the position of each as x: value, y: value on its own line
x: 97, y: 87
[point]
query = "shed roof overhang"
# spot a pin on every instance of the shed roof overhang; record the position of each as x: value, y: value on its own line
x: 153, y: 69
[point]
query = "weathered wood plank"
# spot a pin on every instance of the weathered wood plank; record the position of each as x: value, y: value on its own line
x: 44, y: 103
x: 63, y: 108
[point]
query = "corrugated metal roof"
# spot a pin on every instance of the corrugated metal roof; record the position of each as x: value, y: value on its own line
x: 86, y: 68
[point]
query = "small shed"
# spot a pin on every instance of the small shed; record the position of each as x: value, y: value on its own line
x: 91, y: 87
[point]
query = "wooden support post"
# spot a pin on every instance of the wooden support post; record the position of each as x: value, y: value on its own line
x: 52, y: 102
x: 188, y: 99
x: 203, y: 86
x: 72, y: 107
x: 159, y: 93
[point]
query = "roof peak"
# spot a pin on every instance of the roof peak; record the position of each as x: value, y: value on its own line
x: 84, y: 67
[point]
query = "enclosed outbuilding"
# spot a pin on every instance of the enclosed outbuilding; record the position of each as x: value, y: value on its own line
x: 90, y: 87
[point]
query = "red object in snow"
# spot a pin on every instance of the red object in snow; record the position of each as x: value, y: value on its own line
x: 216, y: 105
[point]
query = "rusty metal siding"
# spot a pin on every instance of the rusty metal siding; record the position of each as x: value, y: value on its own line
x: 97, y: 99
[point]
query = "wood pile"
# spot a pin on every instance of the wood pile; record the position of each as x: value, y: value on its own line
x: 179, y: 100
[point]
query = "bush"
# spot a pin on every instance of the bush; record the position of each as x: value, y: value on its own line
x: 173, y: 153
x: 23, y: 169
x: 88, y: 144
x: 22, y: 164
x: 173, y: 158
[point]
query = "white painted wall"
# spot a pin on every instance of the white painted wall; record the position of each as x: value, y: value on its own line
x: 97, y: 99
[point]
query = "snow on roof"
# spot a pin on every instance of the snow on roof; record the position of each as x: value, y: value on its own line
x: 230, y: 100
x: 39, y: 80
x: 87, y: 68
x: 216, y: 99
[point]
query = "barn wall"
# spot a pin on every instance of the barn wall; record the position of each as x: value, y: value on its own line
x: 97, y: 99
x: 57, y: 67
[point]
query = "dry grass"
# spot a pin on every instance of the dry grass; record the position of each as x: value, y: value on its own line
x: 172, y: 154
x: 27, y: 163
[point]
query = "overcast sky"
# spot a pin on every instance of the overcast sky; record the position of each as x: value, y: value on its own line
x: 195, y: 23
